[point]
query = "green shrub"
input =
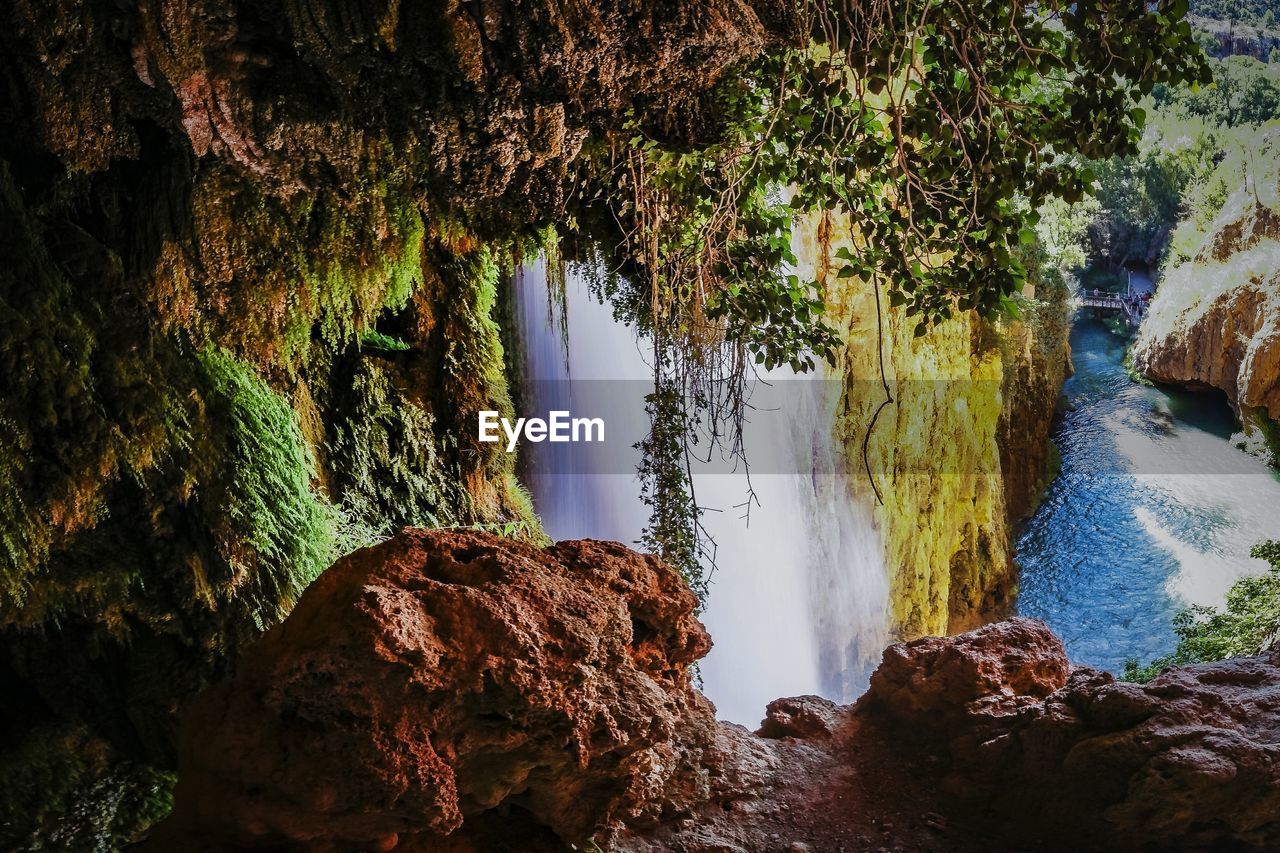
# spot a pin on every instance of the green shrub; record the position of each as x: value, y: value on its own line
x: 383, y: 454
x: 1250, y: 617
x: 64, y: 790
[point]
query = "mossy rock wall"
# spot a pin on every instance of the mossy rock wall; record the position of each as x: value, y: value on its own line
x: 960, y: 454
x: 249, y: 254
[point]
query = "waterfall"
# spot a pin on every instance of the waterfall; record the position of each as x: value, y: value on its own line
x: 580, y: 492
x: 798, y: 603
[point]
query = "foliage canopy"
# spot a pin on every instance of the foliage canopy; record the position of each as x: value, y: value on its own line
x: 924, y: 123
x: 935, y: 129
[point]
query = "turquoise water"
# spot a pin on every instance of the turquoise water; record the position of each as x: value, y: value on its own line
x: 1154, y: 509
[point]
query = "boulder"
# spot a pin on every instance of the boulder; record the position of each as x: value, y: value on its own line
x: 442, y: 677
x: 933, y: 683
x: 1190, y: 761
x: 803, y: 717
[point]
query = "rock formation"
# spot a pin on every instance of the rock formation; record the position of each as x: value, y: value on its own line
x: 423, y: 683
x: 1215, y: 320
x: 1229, y: 340
x: 1073, y: 758
x: 457, y: 691
x: 1237, y: 38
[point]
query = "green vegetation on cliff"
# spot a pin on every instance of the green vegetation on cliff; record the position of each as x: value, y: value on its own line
x: 66, y: 791
x: 280, y: 532
x: 1155, y: 206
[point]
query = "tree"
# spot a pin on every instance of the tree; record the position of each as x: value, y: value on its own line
x: 933, y: 135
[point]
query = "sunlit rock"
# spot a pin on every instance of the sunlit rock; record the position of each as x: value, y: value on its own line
x: 426, y: 681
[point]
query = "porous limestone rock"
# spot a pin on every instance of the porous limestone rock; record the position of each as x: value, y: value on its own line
x: 1215, y: 319
x: 456, y: 691
x: 801, y: 717
x: 1190, y: 761
x: 933, y: 682
x: 438, y: 676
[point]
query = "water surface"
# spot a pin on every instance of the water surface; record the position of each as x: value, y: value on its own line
x: 1154, y: 509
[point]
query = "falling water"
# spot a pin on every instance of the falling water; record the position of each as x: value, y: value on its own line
x: 577, y: 493
x: 798, y: 602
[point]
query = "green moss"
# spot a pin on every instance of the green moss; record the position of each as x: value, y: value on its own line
x: 385, y: 455
x: 471, y: 359
x: 280, y: 532
x: 1052, y: 468
x: 61, y: 789
x: 1270, y: 433
x: 524, y: 524
x: 378, y: 342
x: 403, y: 452
x: 224, y: 521
x: 268, y: 273
x: 1135, y: 375
x: 86, y: 396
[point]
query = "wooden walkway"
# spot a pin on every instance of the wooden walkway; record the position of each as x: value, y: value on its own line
x: 1132, y: 304
x: 1103, y: 299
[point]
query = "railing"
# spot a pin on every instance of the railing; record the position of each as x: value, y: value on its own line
x: 1102, y: 299
x: 1134, y: 307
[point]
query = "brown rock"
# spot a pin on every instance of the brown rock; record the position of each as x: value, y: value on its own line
x: 1215, y: 321
x: 1230, y: 342
x: 1190, y: 761
x: 1255, y: 223
x: 441, y: 675
x: 802, y: 717
x: 461, y: 692
x: 933, y: 681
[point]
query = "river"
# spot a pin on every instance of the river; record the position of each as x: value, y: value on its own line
x: 1153, y: 509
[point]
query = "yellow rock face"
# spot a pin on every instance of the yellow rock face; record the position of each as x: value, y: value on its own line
x: 971, y: 408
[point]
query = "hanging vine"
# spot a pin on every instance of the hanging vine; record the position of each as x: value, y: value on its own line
x: 934, y: 128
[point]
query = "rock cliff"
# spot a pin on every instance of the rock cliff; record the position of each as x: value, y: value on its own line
x: 1236, y: 38
x: 962, y: 452
x: 1215, y: 320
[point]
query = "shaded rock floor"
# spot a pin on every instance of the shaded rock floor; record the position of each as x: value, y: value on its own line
x: 843, y: 793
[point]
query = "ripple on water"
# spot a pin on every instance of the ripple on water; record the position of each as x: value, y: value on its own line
x: 1153, y: 509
